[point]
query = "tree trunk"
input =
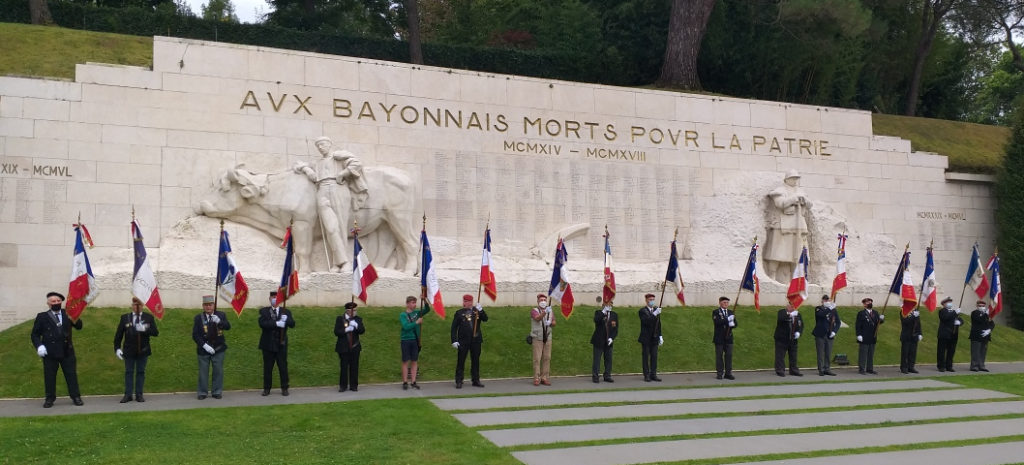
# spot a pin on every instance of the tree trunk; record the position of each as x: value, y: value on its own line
x: 686, y: 27
x: 40, y: 12
x: 412, y: 14
x: 932, y: 14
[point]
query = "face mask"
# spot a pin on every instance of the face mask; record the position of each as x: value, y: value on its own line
x: 542, y: 304
x: 981, y: 307
x: 870, y: 306
x: 55, y: 308
x: 831, y: 306
x: 948, y: 305
x: 650, y: 303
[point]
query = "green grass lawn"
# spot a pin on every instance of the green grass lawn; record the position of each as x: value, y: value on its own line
x: 973, y: 148
x: 312, y: 361
x: 44, y: 51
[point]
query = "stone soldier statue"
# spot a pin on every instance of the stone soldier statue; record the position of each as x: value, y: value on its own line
x: 787, y: 228
x: 334, y: 205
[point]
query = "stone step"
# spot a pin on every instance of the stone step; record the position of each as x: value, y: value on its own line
x: 694, y: 449
x: 656, y: 428
x: 538, y: 400
x: 982, y: 454
x: 731, y: 406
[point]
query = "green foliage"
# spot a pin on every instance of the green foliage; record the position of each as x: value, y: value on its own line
x: 1010, y: 221
x: 54, y: 51
x: 219, y: 10
x: 370, y: 18
x: 1001, y: 90
x: 971, y: 148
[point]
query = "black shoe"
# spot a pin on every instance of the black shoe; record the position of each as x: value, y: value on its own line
x: 983, y: 369
x: 647, y: 379
x: 478, y: 384
x: 608, y: 379
x: 821, y: 373
x: 903, y: 371
x: 217, y: 396
x: 796, y: 373
x: 125, y: 399
x: 730, y: 376
x: 77, y: 401
x: 201, y: 396
x: 779, y: 373
x: 950, y: 370
x: 718, y: 376
x: 405, y: 386
x: 139, y: 398
x: 941, y: 369
x: 353, y: 389
x: 284, y: 391
x: 912, y: 370
x: 342, y: 389
x: 974, y: 369
x: 595, y: 379
x: 48, y: 403
x: 873, y: 372
x: 862, y: 372
x: 458, y: 385
x: 415, y: 386
x: 830, y: 373
x: 655, y: 379
x: 266, y: 392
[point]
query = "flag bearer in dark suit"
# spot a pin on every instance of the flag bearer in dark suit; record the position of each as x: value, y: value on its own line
x: 467, y: 338
x: 51, y: 336
x: 131, y: 344
x: 348, y: 327
x: 274, y: 322
x: 981, y: 334
x: 949, y: 331
x: 650, y: 338
x: 725, y: 321
x: 788, y: 327
x: 910, y: 335
x: 868, y: 321
x: 606, y: 329
x: 208, y: 333
x: 826, y: 325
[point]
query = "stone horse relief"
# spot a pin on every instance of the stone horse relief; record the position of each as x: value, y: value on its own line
x: 383, y: 207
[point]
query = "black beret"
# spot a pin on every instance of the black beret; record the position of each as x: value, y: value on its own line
x: 55, y: 294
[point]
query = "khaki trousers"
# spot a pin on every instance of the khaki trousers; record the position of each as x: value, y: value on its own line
x: 541, y: 358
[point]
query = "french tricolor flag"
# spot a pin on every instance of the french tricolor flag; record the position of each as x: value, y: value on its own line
x: 797, y: 292
x: 674, y: 275
x: 486, y: 274
x: 976, y: 274
x: 82, y: 288
x: 560, y: 289
x: 363, y: 272
x: 903, y: 285
x: 289, y: 285
x: 232, y: 285
x: 608, y: 290
x: 995, y: 294
x: 428, y: 277
x: 839, y: 281
x: 143, y: 280
x: 929, y: 291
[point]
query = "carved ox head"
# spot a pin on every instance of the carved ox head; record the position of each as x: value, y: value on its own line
x: 235, y: 189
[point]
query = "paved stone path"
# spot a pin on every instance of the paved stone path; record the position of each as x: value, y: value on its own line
x: 667, y: 451
x: 984, y: 454
x: 735, y: 406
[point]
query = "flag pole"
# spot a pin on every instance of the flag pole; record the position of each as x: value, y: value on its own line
x: 287, y: 284
x: 921, y: 296
x: 889, y: 294
x: 423, y: 270
x: 665, y: 283
x: 355, y: 259
x: 841, y: 248
x: 964, y: 290
x: 216, y: 279
x: 480, y: 287
x: 740, y: 289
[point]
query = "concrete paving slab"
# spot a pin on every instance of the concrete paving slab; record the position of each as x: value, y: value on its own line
x: 479, y: 403
x: 656, y: 428
x: 692, y: 449
x: 983, y: 454
x: 729, y: 406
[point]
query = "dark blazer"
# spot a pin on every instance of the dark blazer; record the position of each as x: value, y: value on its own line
x: 826, y: 320
x: 271, y: 338
x: 979, y: 322
x: 947, y: 328
x: 723, y: 333
x: 785, y: 328
x: 57, y: 339
x: 650, y: 330
x: 462, y: 325
x: 210, y: 333
x: 342, y: 347
x: 136, y: 344
x: 605, y: 328
x: 866, y: 323
x: 910, y: 328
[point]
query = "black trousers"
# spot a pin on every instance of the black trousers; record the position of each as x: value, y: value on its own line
x: 865, y: 357
x: 723, y: 358
x: 474, y: 361
x: 602, y: 351
x: 349, y: 368
x: 944, y: 356
x: 68, y: 366
x: 782, y: 349
x: 908, y: 355
x: 281, y: 359
x: 649, y: 354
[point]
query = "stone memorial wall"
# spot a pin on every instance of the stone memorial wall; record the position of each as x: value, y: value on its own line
x: 222, y: 131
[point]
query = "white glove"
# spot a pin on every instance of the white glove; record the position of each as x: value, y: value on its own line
x: 661, y: 340
x: 609, y: 341
x: 41, y: 350
x: 731, y: 318
x: 956, y: 322
x: 915, y: 313
x: 860, y: 338
x: 455, y: 344
x: 547, y: 310
x: 214, y: 318
x: 119, y: 354
x: 657, y: 311
x: 881, y: 317
x: 832, y: 335
x: 280, y: 324
x: 986, y: 332
x: 140, y: 327
x: 354, y: 324
x: 957, y: 311
x: 794, y: 313
x: 920, y: 336
x: 349, y: 329
x: 478, y: 307
x: 732, y: 324
x: 284, y: 317
x: 796, y: 335
x: 208, y: 348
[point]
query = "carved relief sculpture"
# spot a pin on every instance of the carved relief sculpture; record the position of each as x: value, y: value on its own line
x: 787, y: 228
